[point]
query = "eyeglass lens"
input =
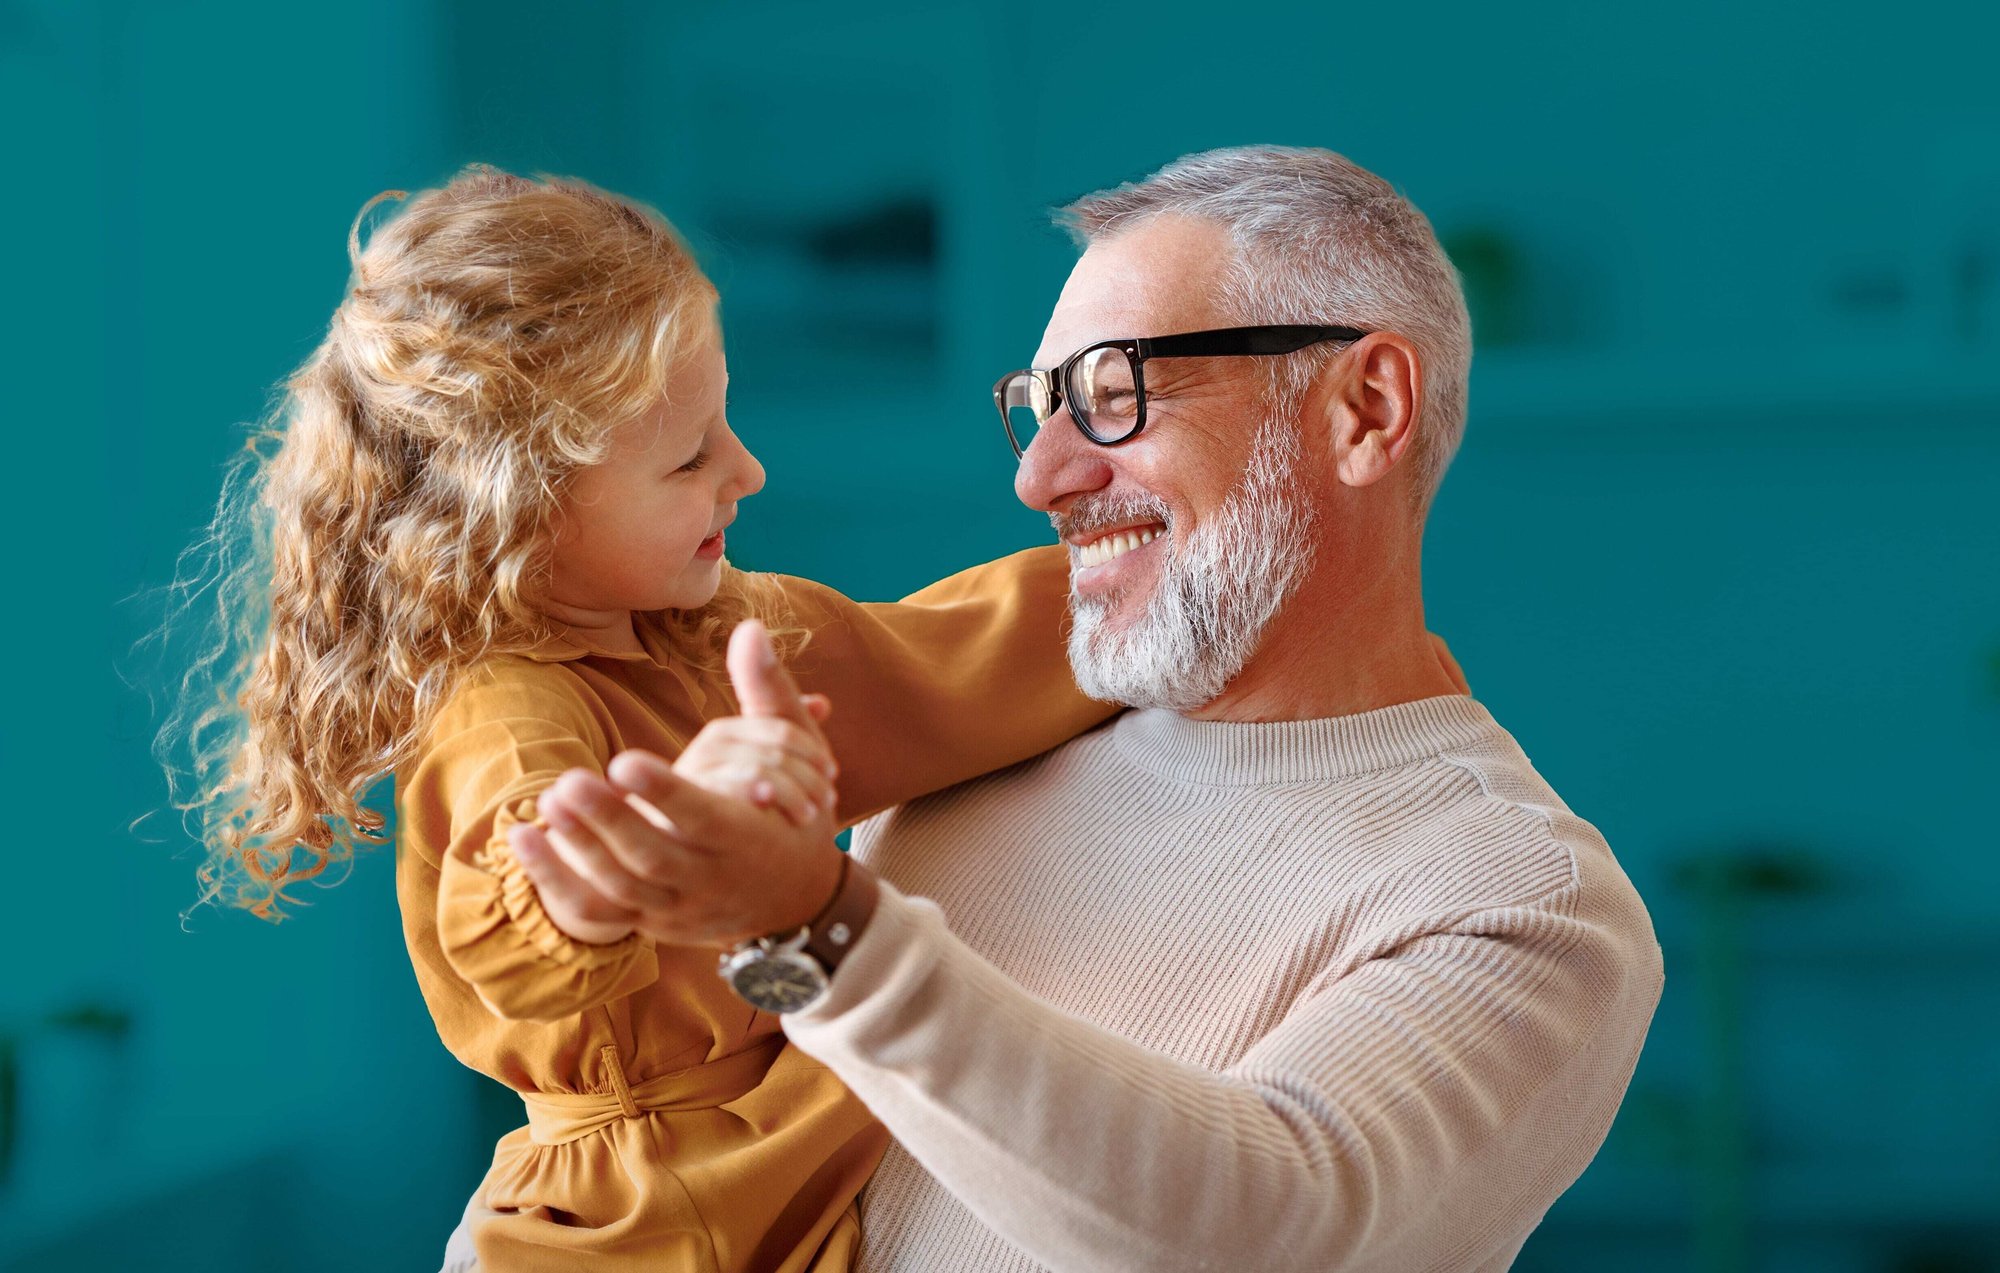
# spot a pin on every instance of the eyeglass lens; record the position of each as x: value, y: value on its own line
x: 1024, y: 400
x: 1100, y: 389
x: 1103, y: 386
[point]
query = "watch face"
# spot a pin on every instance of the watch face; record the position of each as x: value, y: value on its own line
x: 780, y: 981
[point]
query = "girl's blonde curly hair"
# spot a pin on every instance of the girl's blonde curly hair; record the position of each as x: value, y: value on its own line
x: 392, y: 526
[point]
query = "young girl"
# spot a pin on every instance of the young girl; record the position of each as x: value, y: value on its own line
x: 489, y: 548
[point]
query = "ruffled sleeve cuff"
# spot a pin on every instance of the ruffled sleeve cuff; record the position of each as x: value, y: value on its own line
x: 498, y: 937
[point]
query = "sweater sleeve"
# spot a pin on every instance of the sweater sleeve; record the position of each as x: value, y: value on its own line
x: 961, y: 678
x: 1402, y: 1115
x: 492, y: 751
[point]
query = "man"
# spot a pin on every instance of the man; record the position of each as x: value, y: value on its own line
x: 1298, y: 964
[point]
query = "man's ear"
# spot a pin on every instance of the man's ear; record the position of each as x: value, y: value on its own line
x: 1370, y: 406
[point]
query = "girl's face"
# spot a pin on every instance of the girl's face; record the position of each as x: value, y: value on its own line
x: 642, y: 529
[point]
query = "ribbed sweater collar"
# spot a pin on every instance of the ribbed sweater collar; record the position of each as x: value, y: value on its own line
x: 1229, y: 753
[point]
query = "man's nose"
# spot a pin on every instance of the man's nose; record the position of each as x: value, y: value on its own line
x: 1060, y: 464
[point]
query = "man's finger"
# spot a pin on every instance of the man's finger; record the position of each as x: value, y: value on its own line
x: 581, y: 849
x: 562, y: 891
x: 701, y: 819
x: 763, y: 686
x: 608, y: 824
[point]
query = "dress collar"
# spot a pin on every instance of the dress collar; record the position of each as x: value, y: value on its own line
x: 650, y: 627
x: 567, y: 645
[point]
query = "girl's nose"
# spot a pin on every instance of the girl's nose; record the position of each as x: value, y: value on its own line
x: 747, y: 478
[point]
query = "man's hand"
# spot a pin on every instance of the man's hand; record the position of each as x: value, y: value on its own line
x: 683, y: 864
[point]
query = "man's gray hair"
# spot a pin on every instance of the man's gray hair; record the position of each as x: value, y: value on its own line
x: 1319, y: 239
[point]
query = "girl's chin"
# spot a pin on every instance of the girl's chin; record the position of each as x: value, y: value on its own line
x: 697, y: 585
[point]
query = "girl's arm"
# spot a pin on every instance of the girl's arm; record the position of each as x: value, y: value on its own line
x: 964, y: 677
x: 494, y: 749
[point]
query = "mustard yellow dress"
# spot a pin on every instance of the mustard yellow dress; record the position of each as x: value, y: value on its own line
x: 669, y: 1125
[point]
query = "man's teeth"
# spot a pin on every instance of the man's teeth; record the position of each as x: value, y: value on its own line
x: 1100, y: 551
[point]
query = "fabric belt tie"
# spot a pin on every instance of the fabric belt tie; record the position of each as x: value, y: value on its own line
x: 557, y: 1118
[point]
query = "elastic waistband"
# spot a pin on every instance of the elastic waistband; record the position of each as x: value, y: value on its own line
x: 556, y: 1118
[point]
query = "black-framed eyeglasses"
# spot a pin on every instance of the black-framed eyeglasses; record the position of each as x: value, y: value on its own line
x: 1104, y: 385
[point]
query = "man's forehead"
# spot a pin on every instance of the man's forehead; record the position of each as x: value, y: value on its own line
x: 1156, y: 278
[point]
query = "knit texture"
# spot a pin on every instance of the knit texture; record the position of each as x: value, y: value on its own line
x: 1355, y: 993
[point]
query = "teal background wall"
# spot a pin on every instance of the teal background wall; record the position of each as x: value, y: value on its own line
x: 1720, y: 548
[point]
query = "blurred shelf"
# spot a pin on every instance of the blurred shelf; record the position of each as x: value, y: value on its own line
x: 1821, y: 1195
x: 1529, y: 388
x: 39, y: 1216
x: 1812, y: 932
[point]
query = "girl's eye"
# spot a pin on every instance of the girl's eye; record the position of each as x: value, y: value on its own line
x: 701, y: 458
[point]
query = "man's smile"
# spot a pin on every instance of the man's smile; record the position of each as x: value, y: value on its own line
x: 1112, y: 554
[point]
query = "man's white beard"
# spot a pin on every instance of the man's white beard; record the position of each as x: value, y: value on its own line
x: 1218, y: 588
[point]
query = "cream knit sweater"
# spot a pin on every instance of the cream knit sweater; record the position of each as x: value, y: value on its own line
x: 1355, y: 993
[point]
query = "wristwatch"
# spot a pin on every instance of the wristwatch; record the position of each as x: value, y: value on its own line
x: 791, y: 972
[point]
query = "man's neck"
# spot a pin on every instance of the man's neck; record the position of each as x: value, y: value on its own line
x: 1337, y: 651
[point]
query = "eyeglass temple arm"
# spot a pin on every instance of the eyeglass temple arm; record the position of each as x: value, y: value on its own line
x: 1236, y: 340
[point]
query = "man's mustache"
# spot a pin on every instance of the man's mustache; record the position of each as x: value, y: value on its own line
x: 1092, y: 513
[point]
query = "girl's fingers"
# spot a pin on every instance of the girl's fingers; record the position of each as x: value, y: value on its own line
x: 806, y: 777
x: 815, y: 784
x: 769, y: 732
x: 795, y: 789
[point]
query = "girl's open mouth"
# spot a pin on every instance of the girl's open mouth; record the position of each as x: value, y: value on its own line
x: 711, y: 548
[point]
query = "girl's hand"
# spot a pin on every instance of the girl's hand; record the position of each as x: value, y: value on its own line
x: 765, y: 760
x: 689, y: 866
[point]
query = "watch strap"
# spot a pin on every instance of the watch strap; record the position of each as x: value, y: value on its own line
x: 840, y: 923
